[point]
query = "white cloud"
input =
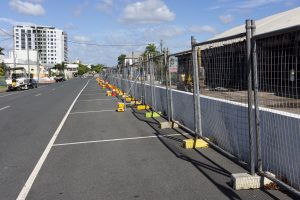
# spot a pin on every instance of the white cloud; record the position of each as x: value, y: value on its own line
x: 255, y: 3
x: 79, y: 8
x: 105, y: 6
x: 14, y: 22
x: 36, y: 1
x: 69, y: 26
x: 80, y: 38
x: 163, y: 32
x: 27, y: 8
x: 203, y: 29
x: 148, y: 11
x: 226, y: 19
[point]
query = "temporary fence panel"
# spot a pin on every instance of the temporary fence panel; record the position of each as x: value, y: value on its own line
x: 224, y: 95
x: 278, y: 72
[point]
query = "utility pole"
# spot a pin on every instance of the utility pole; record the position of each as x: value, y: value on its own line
x: 26, y: 34
x: 161, y: 46
x: 14, y: 49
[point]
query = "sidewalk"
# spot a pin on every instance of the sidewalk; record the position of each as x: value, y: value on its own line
x: 102, y: 154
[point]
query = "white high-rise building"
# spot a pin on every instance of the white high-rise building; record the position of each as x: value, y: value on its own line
x: 51, y: 43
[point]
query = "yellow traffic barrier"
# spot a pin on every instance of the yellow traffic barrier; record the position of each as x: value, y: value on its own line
x: 108, y: 93
x: 135, y: 102
x: 192, y: 143
x: 121, y: 107
x: 129, y: 99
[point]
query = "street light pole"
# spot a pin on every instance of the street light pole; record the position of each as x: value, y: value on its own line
x: 26, y: 34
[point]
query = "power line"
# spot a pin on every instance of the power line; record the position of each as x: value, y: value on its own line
x: 3, y: 31
x: 6, y: 39
x: 105, y: 45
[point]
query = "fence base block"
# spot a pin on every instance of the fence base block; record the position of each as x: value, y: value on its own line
x: 244, y: 181
x: 142, y: 107
x: 135, y: 103
x: 164, y: 125
x: 152, y: 114
x: 191, y: 143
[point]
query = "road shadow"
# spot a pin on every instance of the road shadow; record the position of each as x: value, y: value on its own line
x: 214, y: 172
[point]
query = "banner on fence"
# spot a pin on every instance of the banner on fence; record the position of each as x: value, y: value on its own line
x: 173, y: 64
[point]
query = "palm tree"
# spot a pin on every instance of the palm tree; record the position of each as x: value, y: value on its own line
x: 1, y: 51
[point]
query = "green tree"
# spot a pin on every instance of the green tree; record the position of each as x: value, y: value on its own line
x: 82, y: 69
x: 97, y: 68
x: 150, y: 49
x: 121, y: 59
x: 2, y: 69
x: 2, y: 65
x: 60, y: 67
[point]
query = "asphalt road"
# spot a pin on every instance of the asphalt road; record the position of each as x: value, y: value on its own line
x: 62, y: 142
x: 28, y: 120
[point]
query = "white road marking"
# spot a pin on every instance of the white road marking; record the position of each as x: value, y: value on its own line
x: 25, y: 190
x: 4, y: 107
x: 118, y: 139
x: 97, y: 99
x: 29, y: 92
x: 39, y: 94
x: 92, y: 111
x: 53, y: 89
x: 94, y: 93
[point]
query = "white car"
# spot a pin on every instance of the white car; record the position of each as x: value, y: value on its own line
x: 17, y: 79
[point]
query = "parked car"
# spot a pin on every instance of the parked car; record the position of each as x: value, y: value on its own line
x: 59, y: 78
x: 18, y: 80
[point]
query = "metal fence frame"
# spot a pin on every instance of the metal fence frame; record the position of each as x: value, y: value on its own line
x: 146, y: 67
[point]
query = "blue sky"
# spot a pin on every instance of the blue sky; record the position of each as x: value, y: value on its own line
x: 133, y: 22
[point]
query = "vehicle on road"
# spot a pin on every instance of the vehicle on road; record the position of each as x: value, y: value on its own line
x: 17, y: 79
x: 59, y: 78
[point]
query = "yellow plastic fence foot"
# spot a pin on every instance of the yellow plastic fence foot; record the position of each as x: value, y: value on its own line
x: 108, y: 93
x: 164, y: 125
x: 129, y: 99
x: 121, y: 107
x: 142, y: 107
x: 191, y: 143
x: 153, y: 114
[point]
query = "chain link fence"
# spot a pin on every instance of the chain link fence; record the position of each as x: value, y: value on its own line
x: 241, y: 92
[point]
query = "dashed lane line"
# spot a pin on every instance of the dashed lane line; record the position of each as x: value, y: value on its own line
x: 92, y: 111
x: 4, y: 108
x: 118, y: 139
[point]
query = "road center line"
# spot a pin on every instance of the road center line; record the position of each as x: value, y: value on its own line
x: 92, y: 111
x: 94, y: 93
x: 118, y: 139
x: 26, y: 188
x: 4, y: 107
x: 96, y: 99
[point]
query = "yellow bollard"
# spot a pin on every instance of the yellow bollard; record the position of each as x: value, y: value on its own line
x: 121, y: 107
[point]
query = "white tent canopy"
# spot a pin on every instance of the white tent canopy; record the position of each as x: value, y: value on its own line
x: 272, y: 23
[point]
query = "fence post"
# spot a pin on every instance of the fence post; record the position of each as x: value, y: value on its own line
x: 250, y: 103
x: 170, y: 93
x: 256, y: 104
x: 167, y: 87
x: 197, y: 107
x: 151, y: 79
